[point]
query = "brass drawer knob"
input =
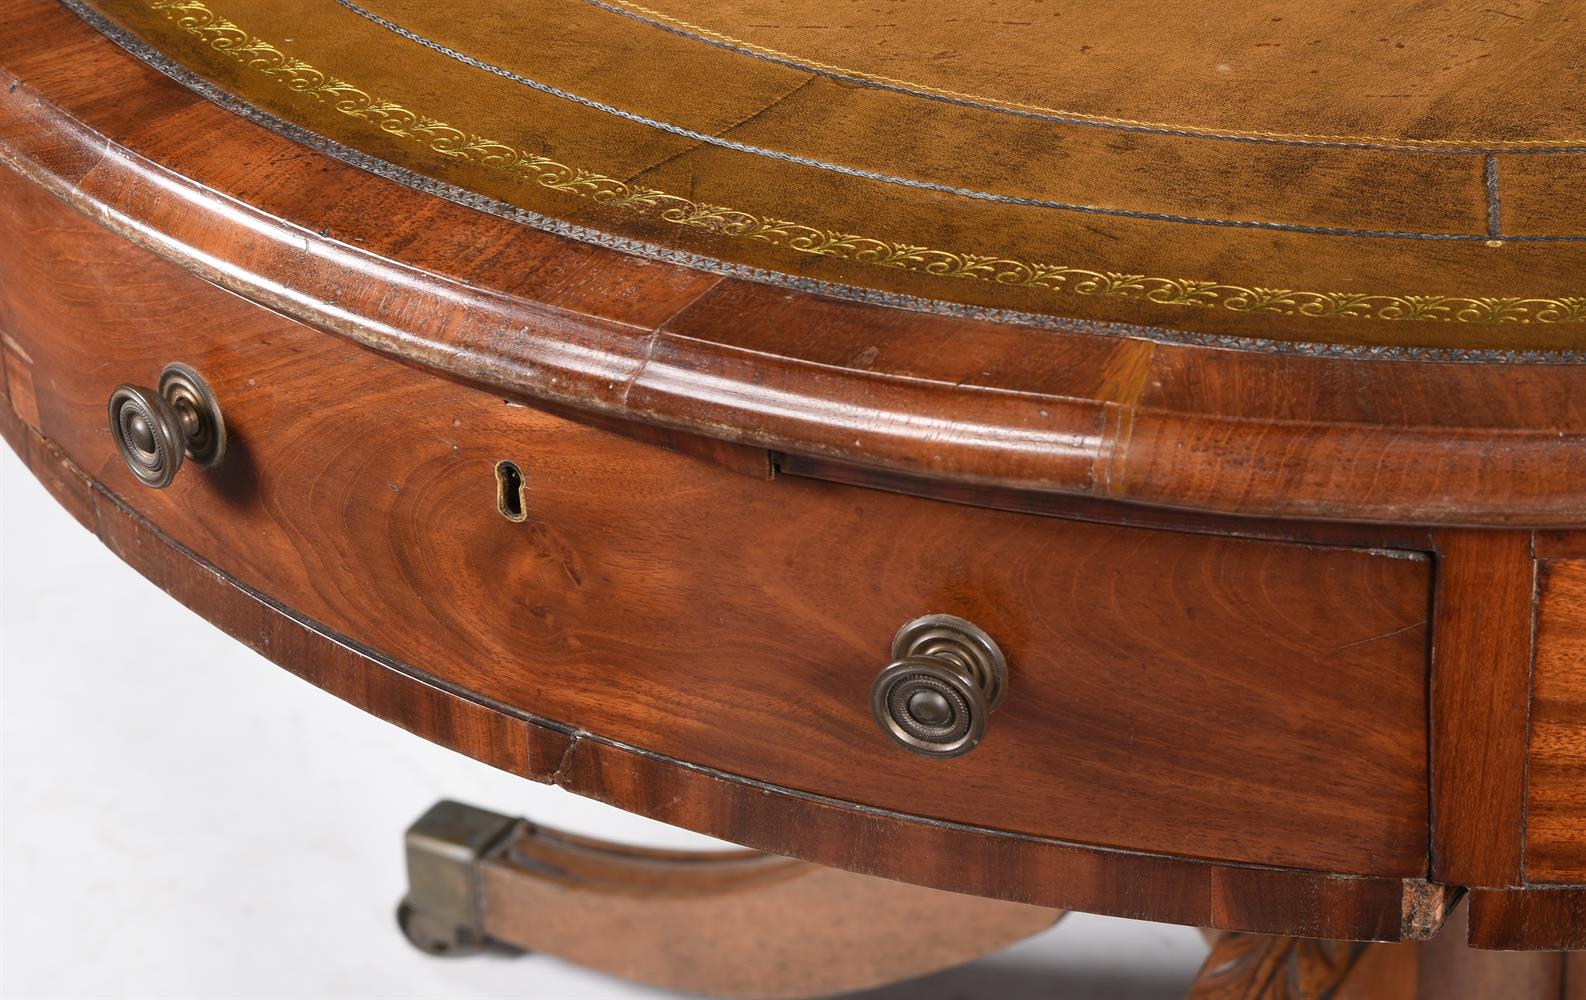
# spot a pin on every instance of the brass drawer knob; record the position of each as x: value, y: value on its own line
x: 155, y: 429
x: 946, y: 678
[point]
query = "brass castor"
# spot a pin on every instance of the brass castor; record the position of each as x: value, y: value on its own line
x: 438, y: 937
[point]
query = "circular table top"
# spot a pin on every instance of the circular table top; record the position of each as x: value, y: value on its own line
x: 1399, y: 178
x: 549, y: 200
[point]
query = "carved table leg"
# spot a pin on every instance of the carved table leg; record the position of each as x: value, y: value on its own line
x: 728, y: 924
x: 1256, y: 967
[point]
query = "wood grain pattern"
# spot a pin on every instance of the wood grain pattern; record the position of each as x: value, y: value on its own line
x: 539, y: 316
x: 1408, y: 537
x: 1555, y: 820
x: 1256, y: 967
x: 1561, y: 545
x: 1214, y: 716
x: 361, y: 493
x: 1552, y: 919
x: 1481, y: 682
x: 1031, y: 870
x: 955, y: 857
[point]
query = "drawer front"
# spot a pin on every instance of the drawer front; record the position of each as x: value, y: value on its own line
x: 1174, y: 692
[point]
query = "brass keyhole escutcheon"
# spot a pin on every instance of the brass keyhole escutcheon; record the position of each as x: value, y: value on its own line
x: 512, y: 492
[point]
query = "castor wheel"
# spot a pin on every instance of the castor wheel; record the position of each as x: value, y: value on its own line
x: 440, y: 938
x: 442, y: 913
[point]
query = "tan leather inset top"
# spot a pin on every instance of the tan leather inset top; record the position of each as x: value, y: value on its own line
x: 1403, y: 173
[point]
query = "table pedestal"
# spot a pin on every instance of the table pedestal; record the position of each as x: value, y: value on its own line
x: 746, y: 924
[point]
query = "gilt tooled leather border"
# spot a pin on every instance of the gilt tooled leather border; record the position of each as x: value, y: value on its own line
x: 392, y: 119
x: 1490, y: 235
x: 225, y: 36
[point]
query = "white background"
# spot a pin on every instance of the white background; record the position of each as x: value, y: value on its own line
x: 180, y: 818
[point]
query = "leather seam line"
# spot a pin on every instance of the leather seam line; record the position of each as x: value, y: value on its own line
x: 395, y: 173
x: 916, y: 183
x: 697, y: 33
x: 1494, y: 206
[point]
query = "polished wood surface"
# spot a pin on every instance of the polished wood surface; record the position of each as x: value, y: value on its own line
x: 782, y: 821
x: 371, y: 509
x: 537, y: 315
x: 1555, y: 826
x: 1481, y: 657
x: 1293, y: 628
x: 1540, y: 917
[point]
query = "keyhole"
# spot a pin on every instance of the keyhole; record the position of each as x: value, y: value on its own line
x: 511, y: 492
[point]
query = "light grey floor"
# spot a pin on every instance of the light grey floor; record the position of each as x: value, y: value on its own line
x: 180, y: 818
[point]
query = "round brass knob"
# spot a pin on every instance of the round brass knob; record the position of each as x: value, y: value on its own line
x: 155, y: 429
x: 946, y: 678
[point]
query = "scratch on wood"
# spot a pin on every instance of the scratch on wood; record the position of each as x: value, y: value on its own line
x: 1380, y: 636
x: 1122, y: 384
x: 566, y: 762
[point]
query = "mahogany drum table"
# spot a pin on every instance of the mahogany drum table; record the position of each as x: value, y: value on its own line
x: 987, y: 461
